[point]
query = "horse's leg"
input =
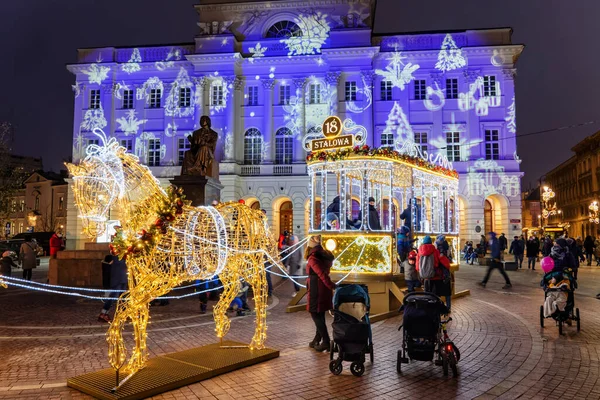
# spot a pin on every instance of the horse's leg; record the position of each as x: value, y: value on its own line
x: 117, y: 352
x: 230, y: 284
x: 139, y: 321
x: 257, y: 277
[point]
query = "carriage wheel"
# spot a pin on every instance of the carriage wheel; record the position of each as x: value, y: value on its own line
x: 336, y: 367
x: 399, y: 362
x: 542, y: 316
x: 357, y: 368
x: 578, y: 319
x: 452, y: 361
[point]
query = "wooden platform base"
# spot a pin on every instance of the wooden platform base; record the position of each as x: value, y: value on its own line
x: 172, y: 371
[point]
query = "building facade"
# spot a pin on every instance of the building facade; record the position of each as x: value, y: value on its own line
x: 576, y: 183
x: 41, y: 206
x: 268, y: 73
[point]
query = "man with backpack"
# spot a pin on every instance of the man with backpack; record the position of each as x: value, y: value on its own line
x: 495, y: 262
x: 434, y: 272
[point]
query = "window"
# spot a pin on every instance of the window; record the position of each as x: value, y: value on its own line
x: 489, y: 86
x: 22, y: 206
x: 452, y: 88
x: 283, y: 146
x: 284, y: 29
x: 216, y: 96
x: 20, y: 227
x: 127, y: 99
x: 351, y: 91
x: 183, y: 145
x: 387, y: 138
x: 314, y: 93
x: 185, y: 97
x: 453, y: 146
x: 92, y: 141
x: 252, y: 147
x: 421, y: 141
x: 420, y: 89
x: 13, y: 206
x: 252, y: 95
x: 284, y: 94
x: 95, y: 98
x: 128, y: 144
x: 155, y: 95
x: 386, y: 90
x: 36, y: 205
x: 491, y: 144
x: 153, y: 152
x: 61, y: 203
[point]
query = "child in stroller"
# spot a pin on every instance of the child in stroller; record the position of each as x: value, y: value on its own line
x: 424, y: 335
x: 351, y: 329
x: 559, y: 299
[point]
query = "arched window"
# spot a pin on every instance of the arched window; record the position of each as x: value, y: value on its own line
x: 36, y: 205
x: 314, y: 132
x: 283, y: 146
x: 286, y: 217
x: 284, y: 29
x: 252, y: 147
x: 488, y: 216
x: 255, y: 205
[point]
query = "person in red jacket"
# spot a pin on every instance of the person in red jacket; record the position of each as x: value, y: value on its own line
x: 320, y: 290
x: 440, y: 283
x: 56, y: 244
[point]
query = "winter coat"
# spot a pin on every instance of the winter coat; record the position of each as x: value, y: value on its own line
x: 483, y: 244
x: 28, y: 255
x: 403, y: 244
x: 319, y: 285
x: 6, y: 263
x: 118, y: 272
x: 533, y: 248
x: 443, y: 247
x: 56, y: 244
x: 588, y: 244
x: 293, y: 261
x: 406, y: 216
x: 425, y: 250
x: 517, y: 247
x: 410, y: 271
x: 374, y: 224
x: 439, y: 285
x: 547, y: 247
x: 334, y: 207
x: 503, y: 242
x: 494, y: 246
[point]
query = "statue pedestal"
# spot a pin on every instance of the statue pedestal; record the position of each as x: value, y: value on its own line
x: 200, y: 190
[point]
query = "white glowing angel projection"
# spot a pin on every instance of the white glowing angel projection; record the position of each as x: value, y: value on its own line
x: 130, y: 125
x: 315, y: 31
x: 173, y: 107
x: 397, y: 72
x: 93, y: 118
x: 76, y: 88
x: 133, y: 65
x: 450, y: 56
x: 96, y: 73
x: 230, y: 241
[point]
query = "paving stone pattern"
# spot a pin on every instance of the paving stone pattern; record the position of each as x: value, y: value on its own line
x: 46, y: 338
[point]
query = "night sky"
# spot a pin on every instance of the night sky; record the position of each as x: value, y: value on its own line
x: 558, y: 73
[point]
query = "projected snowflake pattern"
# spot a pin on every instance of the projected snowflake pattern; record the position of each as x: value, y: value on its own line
x: 258, y: 50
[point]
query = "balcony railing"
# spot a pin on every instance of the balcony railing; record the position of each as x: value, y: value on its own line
x: 282, y: 170
x: 250, y: 170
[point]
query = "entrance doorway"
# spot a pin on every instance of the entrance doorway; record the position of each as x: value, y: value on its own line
x: 488, y: 216
x: 286, y: 217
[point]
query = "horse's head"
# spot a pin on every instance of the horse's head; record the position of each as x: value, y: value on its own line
x: 98, y: 180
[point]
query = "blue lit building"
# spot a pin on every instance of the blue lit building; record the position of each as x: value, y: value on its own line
x: 269, y: 72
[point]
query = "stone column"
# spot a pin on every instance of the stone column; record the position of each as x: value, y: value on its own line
x: 107, y: 101
x: 231, y: 109
x: 299, y: 152
x: 269, y: 134
x: 367, y: 78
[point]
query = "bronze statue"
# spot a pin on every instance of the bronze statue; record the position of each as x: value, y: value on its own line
x: 203, y: 143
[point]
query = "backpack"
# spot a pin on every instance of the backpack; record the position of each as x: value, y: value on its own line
x: 427, y: 267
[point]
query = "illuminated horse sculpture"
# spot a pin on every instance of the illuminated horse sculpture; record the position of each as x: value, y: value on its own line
x: 166, y: 242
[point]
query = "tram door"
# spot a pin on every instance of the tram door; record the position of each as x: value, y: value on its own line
x: 286, y: 217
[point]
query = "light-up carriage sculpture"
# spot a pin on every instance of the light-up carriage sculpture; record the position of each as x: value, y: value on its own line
x: 363, y: 253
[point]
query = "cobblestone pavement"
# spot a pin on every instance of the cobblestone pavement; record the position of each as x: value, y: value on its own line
x: 46, y: 338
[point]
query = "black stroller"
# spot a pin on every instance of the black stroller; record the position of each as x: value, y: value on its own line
x: 570, y: 313
x: 425, y: 336
x: 351, y: 329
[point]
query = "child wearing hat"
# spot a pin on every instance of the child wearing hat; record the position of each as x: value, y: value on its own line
x: 411, y: 276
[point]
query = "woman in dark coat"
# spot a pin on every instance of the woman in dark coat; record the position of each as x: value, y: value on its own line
x: 320, y: 290
x: 588, y: 246
x: 7, y: 263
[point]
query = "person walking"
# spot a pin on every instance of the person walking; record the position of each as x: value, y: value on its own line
x: 483, y: 245
x: 293, y: 262
x: 533, y: 249
x: 28, y: 257
x: 597, y: 251
x: 517, y: 248
x: 503, y: 244
x: 118, y: 284
x: 495, y: 262
x: 320, y: 290
x: 588, y: 247
x: 56, y: 244
x: 7, y: 263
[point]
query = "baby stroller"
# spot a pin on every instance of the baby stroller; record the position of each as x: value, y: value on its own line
x: 425, y: 337
x: 351, y: 329
x: 564, y: 284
